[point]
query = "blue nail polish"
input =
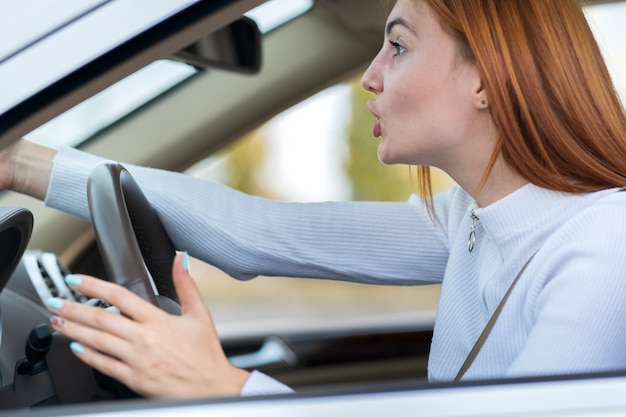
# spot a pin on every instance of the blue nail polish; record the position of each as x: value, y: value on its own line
x: 77, y: 347
x: 73, y: 280
x: 186, y: 261
x: 54, y: 303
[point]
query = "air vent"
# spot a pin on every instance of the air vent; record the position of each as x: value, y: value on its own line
x: 47, y: 275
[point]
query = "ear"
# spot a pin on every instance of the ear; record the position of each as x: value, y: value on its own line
x: 481, y: 100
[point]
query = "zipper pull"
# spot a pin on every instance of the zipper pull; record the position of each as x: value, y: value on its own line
x: 472, y: 236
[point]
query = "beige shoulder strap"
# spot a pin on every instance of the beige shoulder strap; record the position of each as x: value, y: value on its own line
x: 483, y: 336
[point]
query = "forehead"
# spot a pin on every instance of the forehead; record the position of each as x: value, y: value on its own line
x: 409, y: 14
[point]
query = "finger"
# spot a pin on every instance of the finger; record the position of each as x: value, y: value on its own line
x: 94, y: 317
x: 108, y: 365
x: 107, y: 343
x: 190, y: 298
x: 126, y: 301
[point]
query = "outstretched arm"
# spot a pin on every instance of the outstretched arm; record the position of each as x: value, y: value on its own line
x: 246, y: 236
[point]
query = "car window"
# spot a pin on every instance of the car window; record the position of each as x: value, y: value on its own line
x: 318, y: 150
x: 607, y: 22
x: 322, y: 149
x: 51, y: 52
x: 102, y: 110
x: 35, y: 19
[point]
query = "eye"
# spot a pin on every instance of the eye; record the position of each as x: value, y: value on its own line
x: 399, y: 48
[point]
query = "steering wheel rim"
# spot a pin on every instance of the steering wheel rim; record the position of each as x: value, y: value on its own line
x: 16, y: 226
x: 135, y: 248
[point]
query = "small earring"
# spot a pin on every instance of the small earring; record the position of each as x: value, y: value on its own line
x: 484, y: 102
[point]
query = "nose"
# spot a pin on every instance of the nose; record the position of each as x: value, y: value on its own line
x: 372, y: 80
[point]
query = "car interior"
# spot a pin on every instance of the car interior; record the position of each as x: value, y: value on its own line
x: 252, y: 77
x: 232, y: 75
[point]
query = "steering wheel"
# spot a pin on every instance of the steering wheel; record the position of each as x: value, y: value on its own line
x: 16, y: 226
x: 137, y: 254
x: 136, y: 251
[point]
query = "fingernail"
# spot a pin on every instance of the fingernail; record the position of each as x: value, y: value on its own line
x: 54, y: 303
x: 57, y: 322
x: 186, y: 261
x: 73, y: 280
x: 77, y: 347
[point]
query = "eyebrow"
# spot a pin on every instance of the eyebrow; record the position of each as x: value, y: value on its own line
x: 398, y: 21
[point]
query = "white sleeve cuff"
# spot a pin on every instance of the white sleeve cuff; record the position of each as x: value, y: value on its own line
x: 260, y: 384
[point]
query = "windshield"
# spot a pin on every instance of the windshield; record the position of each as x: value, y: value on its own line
x: 81, y: 122
x: 104, y: 109
x: 47, y: 53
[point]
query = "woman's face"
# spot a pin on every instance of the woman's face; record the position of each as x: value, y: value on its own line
x: 428, y: 98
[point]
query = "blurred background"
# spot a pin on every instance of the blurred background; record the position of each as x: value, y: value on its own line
x: 319, y: 150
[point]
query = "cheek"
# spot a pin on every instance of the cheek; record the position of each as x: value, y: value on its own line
x: 401, y: 128
x: 417, y: 117
x: 401, y: 144
x: 412, y: 93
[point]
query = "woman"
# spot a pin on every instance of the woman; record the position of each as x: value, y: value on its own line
x: 510, y: 99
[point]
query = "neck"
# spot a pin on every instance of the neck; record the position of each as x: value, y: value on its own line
x: 501, y: 182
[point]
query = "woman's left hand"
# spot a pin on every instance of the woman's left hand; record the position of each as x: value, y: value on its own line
x: 152, y: 352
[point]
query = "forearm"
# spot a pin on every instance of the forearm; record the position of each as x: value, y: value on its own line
x: 27, y: 166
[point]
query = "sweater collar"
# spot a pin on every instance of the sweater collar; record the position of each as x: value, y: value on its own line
x: 529, y: 212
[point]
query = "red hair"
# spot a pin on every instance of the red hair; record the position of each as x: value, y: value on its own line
x: 560, y: 122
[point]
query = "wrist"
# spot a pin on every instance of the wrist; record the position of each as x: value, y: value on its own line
x: 234, y: 382
x: 30, y: 167
x: 7, y: 165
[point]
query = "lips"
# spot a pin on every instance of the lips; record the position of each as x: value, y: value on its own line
x: 376, y: 129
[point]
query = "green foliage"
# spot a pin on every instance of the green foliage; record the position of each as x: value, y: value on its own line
x: 245, y: 161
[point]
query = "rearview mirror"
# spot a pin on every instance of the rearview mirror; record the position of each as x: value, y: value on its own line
x: 236, y: 47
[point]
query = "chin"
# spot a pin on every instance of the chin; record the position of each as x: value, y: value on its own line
x: 383, y: 158
x: 388, y: 158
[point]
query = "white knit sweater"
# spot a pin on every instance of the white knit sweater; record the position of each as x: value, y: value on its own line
x: 566, y: 315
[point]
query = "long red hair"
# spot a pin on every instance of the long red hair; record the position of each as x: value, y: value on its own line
x: 561, y: 124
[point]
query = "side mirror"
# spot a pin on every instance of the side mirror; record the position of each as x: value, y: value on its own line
x: 236, y: 47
